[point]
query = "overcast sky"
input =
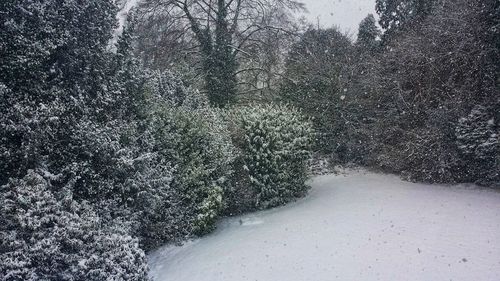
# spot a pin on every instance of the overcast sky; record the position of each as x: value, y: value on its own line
x: 346, y: 14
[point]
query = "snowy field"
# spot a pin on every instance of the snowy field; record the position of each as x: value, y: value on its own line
x: 359, y: 226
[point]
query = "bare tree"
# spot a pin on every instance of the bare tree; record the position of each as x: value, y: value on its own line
x: 262, y: 60
x: 223, y: 30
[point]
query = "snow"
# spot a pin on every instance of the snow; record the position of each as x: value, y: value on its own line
x: 357, y: 226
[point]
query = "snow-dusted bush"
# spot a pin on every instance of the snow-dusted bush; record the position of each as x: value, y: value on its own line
x: 163, y: 177
x: 275, y: 143
x: 55, y: 44
x: 478, y: 139
x: 200, y: 147
x: 196, y: 145
x: 46, y: 235
x: 165, y: 88
x: 477, y: 134
x: 75, y: 111
x: 27, y: 132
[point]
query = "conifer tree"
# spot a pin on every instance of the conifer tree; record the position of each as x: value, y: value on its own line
x: 368, y: 34
x: 400, y: 14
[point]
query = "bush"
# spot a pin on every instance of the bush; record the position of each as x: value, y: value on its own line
x: 478, y: 141
x: 46, y: 235
x: 162, y: 173
x: 275, y: 143
x: 154, y: 159
x: 198, y: 146
x: 165, y: 88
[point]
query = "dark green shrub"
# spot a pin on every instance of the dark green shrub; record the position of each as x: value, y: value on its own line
x: 275, y: 144
x: 199, y: 149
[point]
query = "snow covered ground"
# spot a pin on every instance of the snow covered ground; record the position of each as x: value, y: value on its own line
x: 359, y: 226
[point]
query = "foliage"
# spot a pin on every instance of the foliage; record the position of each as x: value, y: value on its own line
x: 423, y: 84
x: 275, y: 143
x: 397, y: 15
x: 46, y: 235
x: 56, y: 71
x: 222, y: 33
x: 478, y: 139
x: 166, y: 89
x: 67, y: 105
x: 368, y: 34
x: 317, y: 78
x: 50, y: 44
x: 423, y: 104
x: 195, y: 148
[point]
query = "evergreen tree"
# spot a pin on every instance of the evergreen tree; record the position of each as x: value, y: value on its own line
x: 368, y: 34
x: 399, y: 14
x: 54, y: 44
x: 54, y: 68
x: 317, y: 78
x: 478, y: 137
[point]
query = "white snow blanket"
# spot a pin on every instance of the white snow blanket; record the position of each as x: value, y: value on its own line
x: 358, y: 226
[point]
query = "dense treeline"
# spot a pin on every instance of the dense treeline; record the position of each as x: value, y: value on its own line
x: 422, y: 100
x: 416, y: 94
x: 102, y: 159
x: 432, y: 78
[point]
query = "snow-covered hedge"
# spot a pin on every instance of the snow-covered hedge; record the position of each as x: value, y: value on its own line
x: 275, y: 143
x: 198, y: 145
x: 46, y: 235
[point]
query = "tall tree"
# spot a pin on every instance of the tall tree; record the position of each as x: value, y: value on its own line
x: 399, y: 14
x: 316, y: 79
x: 368, y: 34
x: 263, y: 62
x: 53, y: 61
x: 221, y: 28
